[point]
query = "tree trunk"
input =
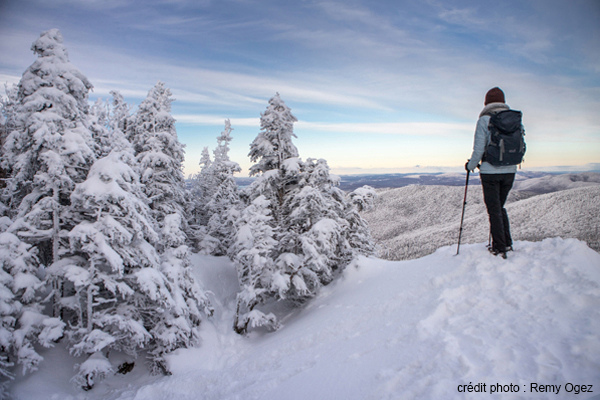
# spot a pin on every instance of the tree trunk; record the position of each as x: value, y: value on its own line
x: 56, y: 225
x: 58, y: 286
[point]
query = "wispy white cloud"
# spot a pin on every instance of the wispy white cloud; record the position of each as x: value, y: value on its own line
x: 205, y: 86
x: 353, y: 30
x: 464, y: 16
x: 359, y: 14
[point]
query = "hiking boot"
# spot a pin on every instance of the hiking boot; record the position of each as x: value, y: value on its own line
x: 497, y: 252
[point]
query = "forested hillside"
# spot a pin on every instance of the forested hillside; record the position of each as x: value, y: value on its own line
x: 413, y: 221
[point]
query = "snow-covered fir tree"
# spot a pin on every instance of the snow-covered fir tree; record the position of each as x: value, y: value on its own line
x: 363, y: 198
x: 113, y: 256
x: 358, y: 233
x: 8, y: 108
x: 202, y: 190
x: 312, y: 244
x: 98, y: 120
x: 316, y: 227
x: 271, y: 149
x: 119, y: 118
x: 127, y: 296
x: 252, y: 252
x: 321, y: 231
x: 49, y: 149
x: 109, y: 121
x: 159, y: 153
x: 180, y: 327
x: 205, y: 160
x: 3, y: 172
x: 22, y: 321
x: 221, y: 207
x: 110, y: 247
x: 160, y: 156
x: 8, y: 123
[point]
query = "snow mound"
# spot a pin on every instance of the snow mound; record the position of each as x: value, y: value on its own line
x: 400, y: 330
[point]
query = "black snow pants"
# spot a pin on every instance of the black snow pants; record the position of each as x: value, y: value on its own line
x: 495, y: 191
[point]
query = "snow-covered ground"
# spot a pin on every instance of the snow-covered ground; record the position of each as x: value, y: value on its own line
x: 414, y: 329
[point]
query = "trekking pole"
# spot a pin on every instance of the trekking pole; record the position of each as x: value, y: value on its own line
x: 462, y: 217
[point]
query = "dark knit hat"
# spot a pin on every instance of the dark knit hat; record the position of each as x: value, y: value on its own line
x: 494, y: 95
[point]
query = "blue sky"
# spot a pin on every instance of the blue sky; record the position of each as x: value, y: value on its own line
x: 377, y: 85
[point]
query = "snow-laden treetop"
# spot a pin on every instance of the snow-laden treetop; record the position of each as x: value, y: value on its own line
x: 52, y: 69
x: 273, y: 144
x: 50, y: 43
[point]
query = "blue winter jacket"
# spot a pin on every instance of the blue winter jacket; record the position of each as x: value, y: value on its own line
x: 482, y: 139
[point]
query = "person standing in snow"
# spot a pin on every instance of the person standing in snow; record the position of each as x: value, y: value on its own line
x: 496, y: 181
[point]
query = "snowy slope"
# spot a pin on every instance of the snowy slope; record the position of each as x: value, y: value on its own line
x: 390, y: 330
x: 413, y: 221
x: 554, y: 183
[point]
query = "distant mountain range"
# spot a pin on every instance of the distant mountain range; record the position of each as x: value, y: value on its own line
x: 537, y: 182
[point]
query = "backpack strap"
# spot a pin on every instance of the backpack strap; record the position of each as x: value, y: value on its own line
x: 493, y: 108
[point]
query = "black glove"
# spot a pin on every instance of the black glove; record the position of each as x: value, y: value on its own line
x: 466, y: 168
